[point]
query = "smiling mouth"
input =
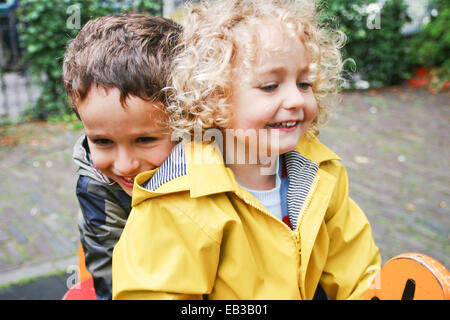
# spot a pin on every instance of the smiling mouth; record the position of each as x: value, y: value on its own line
x: 126, y: 181
x: 289, y: 124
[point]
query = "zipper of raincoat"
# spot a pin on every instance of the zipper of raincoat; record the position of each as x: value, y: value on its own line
x: 266, y: 212
x: 294, y: 233
x: 305, y: 206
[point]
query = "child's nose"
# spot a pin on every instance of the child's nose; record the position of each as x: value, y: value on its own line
x: 126, y: 163
x: 294, y: 98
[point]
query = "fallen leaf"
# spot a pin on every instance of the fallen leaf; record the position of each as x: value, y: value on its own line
x: 9, y: 141
x: 410, y: 207
x: 443, y: 204
x: 33, y: 142
x: 361, y: 159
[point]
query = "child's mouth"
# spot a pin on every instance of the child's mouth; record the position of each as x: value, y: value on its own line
x: 283, y: 124
x: 287, y: 126
x: 127, y: 181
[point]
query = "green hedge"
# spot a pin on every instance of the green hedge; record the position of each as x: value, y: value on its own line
x: 382, y: 55
x: 431, y: 46
x: 45, y: 27
x: 375, y: 42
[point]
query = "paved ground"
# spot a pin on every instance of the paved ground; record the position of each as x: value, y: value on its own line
x: 394, y: 143
x: 51, y: 287
x: 38, y: 208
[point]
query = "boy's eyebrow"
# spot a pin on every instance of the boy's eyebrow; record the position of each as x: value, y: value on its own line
x: 95, y: 136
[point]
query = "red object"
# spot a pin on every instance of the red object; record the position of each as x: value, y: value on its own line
x: 445, y: 85
x: 421, y: 72
x: 81, y: 291
x: 421, y: 79
x: 418, y: 82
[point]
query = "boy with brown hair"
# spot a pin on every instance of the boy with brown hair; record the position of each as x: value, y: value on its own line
x: 115, y: 72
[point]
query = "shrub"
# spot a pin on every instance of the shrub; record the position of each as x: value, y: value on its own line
x: 45, y: 29
x: 375, y: 42
x: 430, y: 47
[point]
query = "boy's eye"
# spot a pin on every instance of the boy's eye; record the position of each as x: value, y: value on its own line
x: 269, y: 87
x: 303, y: 85
x: 145, y: 139
x: 102, y: 142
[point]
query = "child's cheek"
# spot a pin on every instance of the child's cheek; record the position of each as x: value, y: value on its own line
x: 160, y: 154
x: 259, y: 118
x: 100, y: 159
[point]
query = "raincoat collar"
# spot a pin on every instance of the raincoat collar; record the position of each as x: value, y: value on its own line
x: 199, y: 169
x: 311, y: 148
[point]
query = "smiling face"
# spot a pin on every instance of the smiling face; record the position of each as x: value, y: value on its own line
x: 277, y: 94
x: 124, y: 140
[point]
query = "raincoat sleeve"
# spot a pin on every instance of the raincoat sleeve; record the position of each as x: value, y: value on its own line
x: 353, y: 258
x: 101, y: 221
x: 164, y: 254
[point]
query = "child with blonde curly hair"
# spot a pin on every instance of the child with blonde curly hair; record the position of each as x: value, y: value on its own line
x: 211, y: 223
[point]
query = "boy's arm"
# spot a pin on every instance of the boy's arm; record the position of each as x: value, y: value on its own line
x: 164, y: 254
x: 103, y: 216
x: 353, y: 258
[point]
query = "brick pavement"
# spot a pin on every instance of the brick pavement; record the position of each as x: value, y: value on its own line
x: 38, y: 208
x: 394, y: 143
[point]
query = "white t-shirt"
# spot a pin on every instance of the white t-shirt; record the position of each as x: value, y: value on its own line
x: 271, y: 199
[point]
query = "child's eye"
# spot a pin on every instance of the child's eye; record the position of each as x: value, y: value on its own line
x: 269, y: 87
x: 145, y: 139
x: 102, y: 142
x: 303, y: 85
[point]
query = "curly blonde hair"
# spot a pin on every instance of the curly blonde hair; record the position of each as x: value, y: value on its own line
x: 201, y: 79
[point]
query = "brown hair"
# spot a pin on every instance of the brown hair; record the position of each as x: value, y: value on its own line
x: 131, y: 52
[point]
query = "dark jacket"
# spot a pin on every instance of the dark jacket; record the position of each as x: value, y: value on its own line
x: 104, y: 210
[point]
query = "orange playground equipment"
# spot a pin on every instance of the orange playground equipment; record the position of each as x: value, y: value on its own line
x: 408, y: 276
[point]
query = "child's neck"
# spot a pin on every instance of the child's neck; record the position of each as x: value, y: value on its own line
x: 255, y: 173
x: 253, y: 169
x: 251, y: 176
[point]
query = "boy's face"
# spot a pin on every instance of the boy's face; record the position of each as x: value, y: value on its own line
x: 124, y: 141
x: 277, y: 94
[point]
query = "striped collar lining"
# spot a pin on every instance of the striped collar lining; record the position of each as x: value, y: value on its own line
x: 300, y: 173
x: 173, y: 167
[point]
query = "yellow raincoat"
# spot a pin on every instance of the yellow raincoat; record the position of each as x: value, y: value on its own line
x: 194, y: 232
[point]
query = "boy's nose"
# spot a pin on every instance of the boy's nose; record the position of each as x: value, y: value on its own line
x: 125, y: 163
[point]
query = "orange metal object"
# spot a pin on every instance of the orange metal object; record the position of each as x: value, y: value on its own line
x: 84, y: 273
x: 411, y: 276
